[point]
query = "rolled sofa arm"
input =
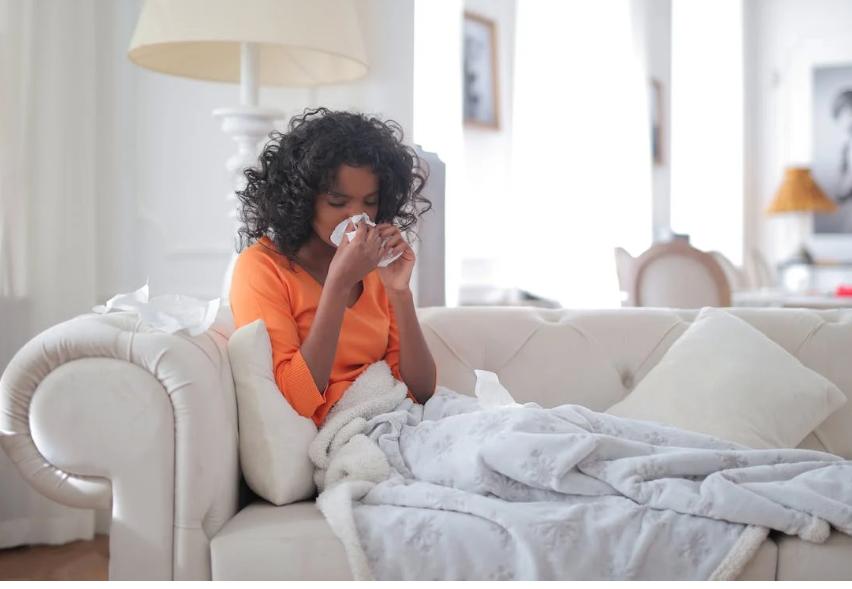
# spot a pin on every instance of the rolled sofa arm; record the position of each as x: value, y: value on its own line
x: 101, y: 411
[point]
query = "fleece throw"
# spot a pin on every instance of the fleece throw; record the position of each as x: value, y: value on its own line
x: 451, y: 490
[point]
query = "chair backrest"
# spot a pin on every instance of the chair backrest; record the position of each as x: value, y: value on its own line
x: 624, y: 263
x: 675, y: 274
x: 737, y: 278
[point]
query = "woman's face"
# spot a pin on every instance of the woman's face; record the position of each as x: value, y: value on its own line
x: 353, y: 191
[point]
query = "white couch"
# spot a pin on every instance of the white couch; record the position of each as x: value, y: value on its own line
x: 99, y: 411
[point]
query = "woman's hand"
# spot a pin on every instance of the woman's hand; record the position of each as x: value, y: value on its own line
x: 397, y: 274
x: 355, y: 259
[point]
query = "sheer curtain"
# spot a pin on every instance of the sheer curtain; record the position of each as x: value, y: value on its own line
x: 16, y: 63
x: 35, y: 38
x: 581, y: 177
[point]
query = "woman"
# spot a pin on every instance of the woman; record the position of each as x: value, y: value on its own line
x: 331, y: 311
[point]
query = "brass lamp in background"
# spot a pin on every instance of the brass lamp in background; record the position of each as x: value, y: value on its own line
x: 801, y: 195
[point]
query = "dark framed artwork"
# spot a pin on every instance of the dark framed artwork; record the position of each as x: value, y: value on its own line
x: 479, y: 72
x: 655, y: 107
x: 831, y: 164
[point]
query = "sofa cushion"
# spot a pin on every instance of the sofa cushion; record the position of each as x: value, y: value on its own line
x: 274, y: 439
x: 805, y: 561
x: 265, y: 542
x: 724, y: 378
x: 763, y: 564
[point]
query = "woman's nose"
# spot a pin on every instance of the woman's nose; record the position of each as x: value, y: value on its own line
x: 358, y: 210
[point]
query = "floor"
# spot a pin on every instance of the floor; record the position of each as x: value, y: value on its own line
x: 83, y: 560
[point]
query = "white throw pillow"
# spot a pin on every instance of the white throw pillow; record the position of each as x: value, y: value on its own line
x: 724, y: 378
x: 274, y: 438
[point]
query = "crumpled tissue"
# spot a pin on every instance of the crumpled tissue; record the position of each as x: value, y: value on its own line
x: 337, y: 235
x: 169, y: 313
x: 490, y: 392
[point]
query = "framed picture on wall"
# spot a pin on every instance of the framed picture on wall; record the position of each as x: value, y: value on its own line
x: 832, y: 144
x: 479, y: 72
x: 813, y: 82
x: 655, y: 105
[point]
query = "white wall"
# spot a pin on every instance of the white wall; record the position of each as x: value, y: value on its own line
x: 437, y: 130
x: 581, y: 150
x: 483, y: 200
x: 653, y: 34
x: 707, y: 125
x: 781, y: 36
x: 487, y: 158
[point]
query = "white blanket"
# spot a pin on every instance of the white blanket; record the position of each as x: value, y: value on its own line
x: 450, y: 490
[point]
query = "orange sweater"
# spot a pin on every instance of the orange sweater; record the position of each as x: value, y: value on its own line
x: 264, y: 287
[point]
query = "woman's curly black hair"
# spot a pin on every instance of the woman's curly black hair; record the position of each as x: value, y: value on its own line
x: 294, y: 167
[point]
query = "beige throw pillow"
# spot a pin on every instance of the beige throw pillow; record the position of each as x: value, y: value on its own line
x: 274, y: 438
x: 724, y: 378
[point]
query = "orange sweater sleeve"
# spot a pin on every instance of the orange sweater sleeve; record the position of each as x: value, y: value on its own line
x: 258, y: 292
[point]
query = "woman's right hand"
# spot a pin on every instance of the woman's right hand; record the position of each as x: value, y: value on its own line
x: 355, y: 259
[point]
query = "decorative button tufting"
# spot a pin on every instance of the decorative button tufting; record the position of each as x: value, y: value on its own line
x: 627, y: 380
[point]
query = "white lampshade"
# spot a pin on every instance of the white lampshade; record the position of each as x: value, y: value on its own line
x: 300, y: 42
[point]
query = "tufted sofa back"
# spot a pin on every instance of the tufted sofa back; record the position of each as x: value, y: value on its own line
x: 595, y: 357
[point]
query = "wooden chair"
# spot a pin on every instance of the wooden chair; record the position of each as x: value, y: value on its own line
x: 624, y: 267
x: 737, y: 277
x: 673, y: 274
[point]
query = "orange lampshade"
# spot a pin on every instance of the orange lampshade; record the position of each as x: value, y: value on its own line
x: 799, y: 192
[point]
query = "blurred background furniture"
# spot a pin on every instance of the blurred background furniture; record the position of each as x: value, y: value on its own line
x: 484, y: 286
x: 820, y: 277
x: 429, y: 278
x: 471, y: 295
x: 782, y: 298
x: 672, y: 274
x: 675, y: 274
x: 815, y: 285
x: 799, y: 196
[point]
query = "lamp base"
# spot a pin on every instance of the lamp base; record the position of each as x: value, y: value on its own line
x: 248, y: 126
x: 801, y: 256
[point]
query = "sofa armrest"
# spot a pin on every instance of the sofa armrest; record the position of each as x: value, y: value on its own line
x: 101, y: 411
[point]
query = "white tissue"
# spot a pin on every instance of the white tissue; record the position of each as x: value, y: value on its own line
x: 337, y: 235
x: 490, y: 392
x: 169, y: 313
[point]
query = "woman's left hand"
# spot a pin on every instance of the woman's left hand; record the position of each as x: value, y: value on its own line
x: 397, y: 274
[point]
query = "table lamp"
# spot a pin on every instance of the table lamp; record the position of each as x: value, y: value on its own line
x: 800, y: 195
x: 253, y: 42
